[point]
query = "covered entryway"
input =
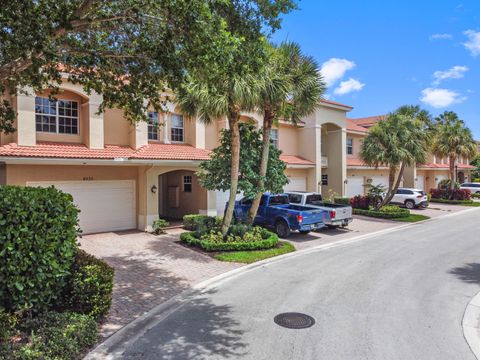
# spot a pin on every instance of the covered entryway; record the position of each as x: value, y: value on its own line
x: 461, y: 177
x: 296, y: 183
x: 355, y: 186
x: 179, y: 194
x: 104, y: 205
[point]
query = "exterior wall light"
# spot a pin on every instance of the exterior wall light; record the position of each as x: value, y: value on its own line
x: 153, y: 189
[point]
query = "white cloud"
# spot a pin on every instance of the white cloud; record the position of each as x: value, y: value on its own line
x: 348, y: 86
x: 455, y: 72
x: 473, y: 42
x: 441, y: 36
x: 334, y: 69
x: 440, y: 98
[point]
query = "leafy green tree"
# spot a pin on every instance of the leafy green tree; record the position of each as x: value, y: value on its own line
x: 399, y: 141
x: 476, y: 162
x: 289, y: 87
x: 214, y: 174
x: 452, y: 140
x: 127, y: 50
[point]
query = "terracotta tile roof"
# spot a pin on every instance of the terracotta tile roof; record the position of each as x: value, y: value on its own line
x: 68, y: 151
x: 295, y: 160
x: 443, y: 166
x: 352, y: 126
x: 110, y: 152
x: 171, y: 152
x: 336, y: 103
x: 368, y: 121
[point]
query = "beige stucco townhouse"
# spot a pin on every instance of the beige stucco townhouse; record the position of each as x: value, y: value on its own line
x: 422, y: 176
x: 124, y: 176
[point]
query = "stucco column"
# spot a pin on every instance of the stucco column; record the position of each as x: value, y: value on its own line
x: 410, y: 177
x: 26, y: 132
x: 166, y: 121
x: 95, y: 138
x: 337, y: 160
x: 199, y: 134
x: 139, y: 135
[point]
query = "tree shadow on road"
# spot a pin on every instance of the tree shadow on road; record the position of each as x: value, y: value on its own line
x: 470, y: 273
x: 198, y: 330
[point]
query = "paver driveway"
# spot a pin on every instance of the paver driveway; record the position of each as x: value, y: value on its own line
x: 148, y: 271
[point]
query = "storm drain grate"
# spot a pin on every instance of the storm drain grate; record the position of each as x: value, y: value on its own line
x: 294, y: 320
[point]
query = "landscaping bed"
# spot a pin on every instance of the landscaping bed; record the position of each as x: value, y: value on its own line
x: 456, y: 202
x: 386, y: 212
x: 243, y: 243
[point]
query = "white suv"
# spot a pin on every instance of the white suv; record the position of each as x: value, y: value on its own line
x: 473, y: 187
x: 411, y: 198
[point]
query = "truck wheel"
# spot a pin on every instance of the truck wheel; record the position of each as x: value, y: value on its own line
x: 282, y: 229
x: 304, y: 232
x: 409, y: 204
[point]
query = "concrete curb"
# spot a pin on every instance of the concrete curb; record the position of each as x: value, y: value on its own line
x: 471, y: 325
x: 115, y: 345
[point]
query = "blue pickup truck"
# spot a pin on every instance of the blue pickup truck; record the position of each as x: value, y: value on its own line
x: 275, y: 211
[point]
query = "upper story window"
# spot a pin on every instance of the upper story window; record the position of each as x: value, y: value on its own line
x: 349, y: 146
x: 56, y: 116
x: 274, y: 137
x: 177, y: 128
x: 152, y: 125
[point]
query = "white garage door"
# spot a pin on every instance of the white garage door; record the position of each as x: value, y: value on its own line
x: 420, y: 184
x: 380, y: 180
x: 355, y: 186
x: 439, y: 178
x: 104, y: 205
x: 296, y: 184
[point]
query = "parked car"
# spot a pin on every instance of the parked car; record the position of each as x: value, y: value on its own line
x: 473, y: 187
x: 276, y: 212
x: 411, y: 198
x: 339, y: 215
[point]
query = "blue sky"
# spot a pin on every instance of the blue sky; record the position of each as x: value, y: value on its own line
x: 378, y: 55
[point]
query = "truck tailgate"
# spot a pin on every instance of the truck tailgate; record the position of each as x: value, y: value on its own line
x: 343, y: 213
x: 314, y: 216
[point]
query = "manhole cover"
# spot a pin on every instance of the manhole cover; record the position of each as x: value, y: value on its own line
x: 294, y: 320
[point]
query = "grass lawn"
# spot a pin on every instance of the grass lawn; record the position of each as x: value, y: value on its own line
x: 248, y: 257
x: 475, y: 203
x: 413, y: 218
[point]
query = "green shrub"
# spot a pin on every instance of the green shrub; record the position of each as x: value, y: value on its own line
x: 159, y: 225
x: 239, y: 230
x: 8, y: 323
x: 52, y: 336
x: 342, y: 200
x: 89, y: 289
x: 453, y: 202
x: 38, y: 240
x: 386, y: 212
x: 195, y: 222
x: 256, y: 239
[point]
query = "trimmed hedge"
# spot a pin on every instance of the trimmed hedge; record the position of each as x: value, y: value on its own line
x: 38, y: 241
x: 342, y: 200
x: 383, y: 214
x: 89, y: 288
x: 269, y: 241
x: 59, y: 336
x: 452, y: 202
x: 194, y: 222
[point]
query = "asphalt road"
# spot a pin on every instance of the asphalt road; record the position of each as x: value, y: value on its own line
x: 401, y: 296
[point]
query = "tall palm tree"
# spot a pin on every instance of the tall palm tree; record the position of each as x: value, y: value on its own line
x: 399, y: 141
x: 289, y: 87
x: 453, y: 139
x: 228, y: 98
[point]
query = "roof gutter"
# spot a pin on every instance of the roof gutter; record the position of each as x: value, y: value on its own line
x: 116, y: 161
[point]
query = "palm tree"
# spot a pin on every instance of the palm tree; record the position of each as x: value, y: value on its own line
x: 289, y: 87
x: 399, y: 141
x: 227, y: 98
x: 452, y: 140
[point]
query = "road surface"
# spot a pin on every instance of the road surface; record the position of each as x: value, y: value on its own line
x: 400, y: 295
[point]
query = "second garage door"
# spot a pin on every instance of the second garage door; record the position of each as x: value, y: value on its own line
x: 355, y: 186
x: 296, y: 184
x: 104, y: 205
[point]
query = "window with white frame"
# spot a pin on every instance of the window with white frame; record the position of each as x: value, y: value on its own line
x: 56, y: 116
x: 274, y: 137
x: 152, y: 125
x: 187, y: 183
x: 177, y: 128
x: 350, y: 146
